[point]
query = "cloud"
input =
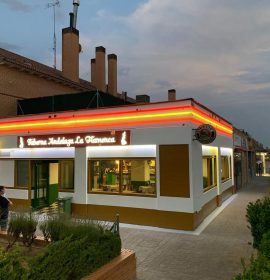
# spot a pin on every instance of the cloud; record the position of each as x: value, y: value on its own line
x: 164, y: 84
x: 124, y: 71
x: 17, y: 5
x: 214, y: 51
x: 254, y: 76
x: 102, y: 13
x: 10, y: 47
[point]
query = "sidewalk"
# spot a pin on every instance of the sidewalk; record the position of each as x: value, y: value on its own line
x: 215, y: 254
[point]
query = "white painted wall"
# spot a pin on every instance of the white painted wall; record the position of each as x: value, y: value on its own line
x: 121, y: 151
x: 80, y: 176
x: 7, y: 142
x: 121, y: 200
x: 38, y: 153
x: 166, y: 135
x: 7, y: 174
x: 208, y: 196
x: 152, y: 137
x: 196, y: 176
x: 222, y: 145
x: 226, y: 151
x: 144, y: 143
x: 226, y: 185
x: 66, y: 194
x: 18, y: 194
x: 177, y: 204
x: 43, y: 153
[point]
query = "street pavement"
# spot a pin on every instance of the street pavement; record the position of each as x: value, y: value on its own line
x: 214, y: 254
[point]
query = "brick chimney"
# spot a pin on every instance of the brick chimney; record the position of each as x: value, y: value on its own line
x: 112, y: 74
x: 93, y: 71
x: 171, y: 95
x: 70, y: 52
x: 100, y: 69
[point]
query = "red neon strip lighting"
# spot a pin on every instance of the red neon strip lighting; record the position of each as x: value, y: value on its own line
x: 108, y: 114
x: 92, y: 115
x: 137, y: 117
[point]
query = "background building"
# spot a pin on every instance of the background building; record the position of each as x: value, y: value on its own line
x: 23, y: 78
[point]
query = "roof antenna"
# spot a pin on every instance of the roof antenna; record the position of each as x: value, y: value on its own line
x: 55, y: 3
x: 76, y: 4
x: 98, y: 97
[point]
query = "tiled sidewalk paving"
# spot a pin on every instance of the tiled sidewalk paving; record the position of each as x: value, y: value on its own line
x: 213, y: 255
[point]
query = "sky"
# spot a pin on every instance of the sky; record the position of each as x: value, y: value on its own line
x: 217, y: 52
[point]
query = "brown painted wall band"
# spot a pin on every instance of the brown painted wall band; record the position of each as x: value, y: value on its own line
x: 20, y: 203
x: 149, y: 217
x: 227, y: 193
x: 174, y: 170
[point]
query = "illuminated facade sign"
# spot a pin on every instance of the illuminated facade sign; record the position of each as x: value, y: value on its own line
x: 205, y: 134
x: 109, y: 138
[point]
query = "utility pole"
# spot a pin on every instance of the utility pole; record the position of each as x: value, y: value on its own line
x: 55, y: 3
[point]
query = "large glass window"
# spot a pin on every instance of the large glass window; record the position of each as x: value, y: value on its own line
x: 104, y: 175
x: 22, y: 173
x: 209, y: 172
x: 125, y: 176
x: 225, y: 168
x: 66, y: 173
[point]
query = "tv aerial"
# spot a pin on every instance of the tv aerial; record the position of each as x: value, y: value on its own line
x: 55, y: 3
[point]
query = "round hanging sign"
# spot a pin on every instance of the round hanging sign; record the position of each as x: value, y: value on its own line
x: 205, y: 134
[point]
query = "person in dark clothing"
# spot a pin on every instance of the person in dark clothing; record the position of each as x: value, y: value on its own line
x: 4, y: 209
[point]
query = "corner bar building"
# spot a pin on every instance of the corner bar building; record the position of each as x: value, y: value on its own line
x: 141, y: 161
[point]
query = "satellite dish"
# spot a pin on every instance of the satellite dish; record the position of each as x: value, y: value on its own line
x: 80, y: 48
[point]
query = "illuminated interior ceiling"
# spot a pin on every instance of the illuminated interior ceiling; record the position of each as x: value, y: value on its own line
x: 123, y: 118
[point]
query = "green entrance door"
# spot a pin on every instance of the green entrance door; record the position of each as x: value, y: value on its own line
x: 44, y: 182
x: 40, y: 183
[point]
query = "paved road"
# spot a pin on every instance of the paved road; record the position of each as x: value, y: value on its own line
x: 213, y: 255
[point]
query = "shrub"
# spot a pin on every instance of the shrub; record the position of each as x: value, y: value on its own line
x: 12, y: 265
x: 28, y: 231
x: 78, y: 257
x: 22, y: 225
x: 82, y: 248
x: 59, y: 227
x: 91, y: 232
x: 14, y: 229
x: 259, y: 269
x: 258, y: 215
x: 54, y: 227
x: 264, y: 247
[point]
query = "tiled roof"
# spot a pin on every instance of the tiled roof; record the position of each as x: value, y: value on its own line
x: 39, y: 69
